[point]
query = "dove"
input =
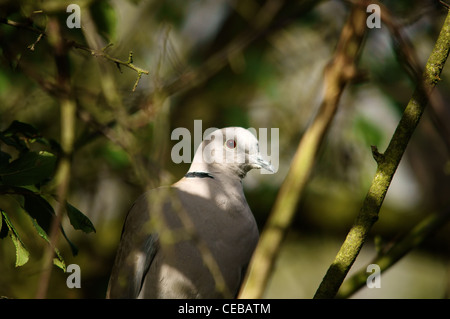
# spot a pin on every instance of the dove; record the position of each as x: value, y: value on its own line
x: 194, y: 238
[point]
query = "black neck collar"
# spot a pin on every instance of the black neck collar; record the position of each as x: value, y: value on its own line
x: 198, y: 174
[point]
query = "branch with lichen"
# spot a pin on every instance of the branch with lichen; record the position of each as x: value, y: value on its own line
x: 387, y: 164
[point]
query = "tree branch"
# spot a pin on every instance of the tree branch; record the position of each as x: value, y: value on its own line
x: 338, y: 73
x: 102, y: 53
x: 63, y: 171
x: 387, y: 165
x: 414, y: 238
x: 97, y: 53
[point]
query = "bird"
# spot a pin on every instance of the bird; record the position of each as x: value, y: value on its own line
x: 194, y: 238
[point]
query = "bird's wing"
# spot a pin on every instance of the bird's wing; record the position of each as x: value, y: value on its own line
x: 136, y: 251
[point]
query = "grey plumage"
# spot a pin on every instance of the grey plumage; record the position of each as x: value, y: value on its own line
x: 194, y: 238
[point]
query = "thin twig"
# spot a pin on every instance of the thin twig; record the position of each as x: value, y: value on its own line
x: 97, y: 53
x: 31, y: 46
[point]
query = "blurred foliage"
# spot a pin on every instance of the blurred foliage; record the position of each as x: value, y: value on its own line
x: 229, y: 63
x: 23, y: 179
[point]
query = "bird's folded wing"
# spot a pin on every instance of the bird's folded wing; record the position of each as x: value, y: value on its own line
x: 136, y: 251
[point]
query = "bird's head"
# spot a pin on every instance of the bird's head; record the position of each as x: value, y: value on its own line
x: 232, y: 149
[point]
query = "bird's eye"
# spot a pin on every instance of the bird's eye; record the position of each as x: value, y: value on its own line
x: 231, y: 144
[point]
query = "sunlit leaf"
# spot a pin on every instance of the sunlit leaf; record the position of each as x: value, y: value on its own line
x: 58, y: 261
x: 22, y: 254
x: 39, y: 209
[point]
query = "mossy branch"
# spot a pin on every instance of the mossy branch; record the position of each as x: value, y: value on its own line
x: 387, y: 165
x: 412, y: 239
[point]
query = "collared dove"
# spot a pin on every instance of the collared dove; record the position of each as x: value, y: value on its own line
x: 195, y: 238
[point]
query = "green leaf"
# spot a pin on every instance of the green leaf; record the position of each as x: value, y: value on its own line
x: 14, y: 141
x: 16, y: 134
x: 39, y: 230
x: 58, y: 261
x: 25, y: 129
x: 39, y: 209
x: 79, y: 220
x: 29, y: 169
x: 4, y: 159
x: 72, y: 245
x: 22, y: 254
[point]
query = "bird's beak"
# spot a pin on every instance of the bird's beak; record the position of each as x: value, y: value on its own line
x: 259, y: 162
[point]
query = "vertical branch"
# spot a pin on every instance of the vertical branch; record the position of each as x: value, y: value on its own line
x: 387, y: 165
x: 337, y: 74
x: 62, y: 175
